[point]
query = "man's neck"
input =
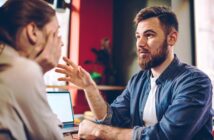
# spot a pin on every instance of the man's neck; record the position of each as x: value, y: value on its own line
x: 157, y: 71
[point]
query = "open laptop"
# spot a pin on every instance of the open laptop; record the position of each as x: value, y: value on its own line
x: 61, y: 105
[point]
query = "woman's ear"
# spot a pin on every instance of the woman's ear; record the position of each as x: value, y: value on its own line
x: 172, y: 37
x: 32, y: 33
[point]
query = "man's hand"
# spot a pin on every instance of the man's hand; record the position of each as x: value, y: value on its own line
x: 82, y: 79
x: 88, y: 130
x: 91, y: 131
x: 47, y: 56
x: 75, y: 74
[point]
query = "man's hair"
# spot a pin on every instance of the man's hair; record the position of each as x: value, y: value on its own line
x: 166, y: 17
x: 16, y: 14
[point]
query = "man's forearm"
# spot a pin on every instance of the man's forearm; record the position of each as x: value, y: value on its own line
x: 112, y: 133
x: 91, y: 130
x: 96, y: 102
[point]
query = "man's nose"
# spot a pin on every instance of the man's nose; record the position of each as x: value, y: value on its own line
x: 142, y: 41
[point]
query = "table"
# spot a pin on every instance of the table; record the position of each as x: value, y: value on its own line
x: 100, y: 87
x: 71, y: 137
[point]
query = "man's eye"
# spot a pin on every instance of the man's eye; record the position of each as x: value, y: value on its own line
x: 149, y: 35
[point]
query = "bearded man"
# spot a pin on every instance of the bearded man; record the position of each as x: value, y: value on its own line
x: 166, y: 100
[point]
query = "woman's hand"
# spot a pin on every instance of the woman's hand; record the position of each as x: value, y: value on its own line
x: 75, y: 74
x: 47, y: 56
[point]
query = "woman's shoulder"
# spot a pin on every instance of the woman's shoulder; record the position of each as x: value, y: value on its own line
x: 23, y: 70
x: 26, y: 66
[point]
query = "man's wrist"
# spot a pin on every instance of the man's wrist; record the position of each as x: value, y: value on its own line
x: 107, y: 118
x: 91, y: 88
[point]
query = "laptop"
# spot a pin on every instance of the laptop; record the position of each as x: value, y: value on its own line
x: 61, y: 105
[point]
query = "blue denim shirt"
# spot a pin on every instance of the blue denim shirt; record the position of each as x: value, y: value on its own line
x: 183, y: 105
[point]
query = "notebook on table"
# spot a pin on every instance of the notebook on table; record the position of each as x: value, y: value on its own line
x: 61, y: 105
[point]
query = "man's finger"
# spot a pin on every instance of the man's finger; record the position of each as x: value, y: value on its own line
x: 69, y: 62
x: 61, y: 71
x: 66, y: 79
x: 65, y: 67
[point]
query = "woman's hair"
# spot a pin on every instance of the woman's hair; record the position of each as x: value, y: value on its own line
x: 16, y: 14
x: 166, y: 17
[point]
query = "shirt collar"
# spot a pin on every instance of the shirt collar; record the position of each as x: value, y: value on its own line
x: 169, y: 71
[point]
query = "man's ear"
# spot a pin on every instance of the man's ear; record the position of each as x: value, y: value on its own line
x: 172, y: 37
x: 32, y: 33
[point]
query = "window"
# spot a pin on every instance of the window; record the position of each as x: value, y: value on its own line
x: 204, y: 48
x: 63, y: 15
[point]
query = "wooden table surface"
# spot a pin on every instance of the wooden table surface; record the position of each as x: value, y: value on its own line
x: 100, y: 87
x: 71, y: 137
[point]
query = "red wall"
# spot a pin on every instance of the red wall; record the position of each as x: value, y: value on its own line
x: 95, y: 24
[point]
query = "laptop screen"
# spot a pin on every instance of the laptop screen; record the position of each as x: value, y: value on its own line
x: 60, y: 103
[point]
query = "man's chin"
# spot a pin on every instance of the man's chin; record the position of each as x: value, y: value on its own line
x: 144, y: 66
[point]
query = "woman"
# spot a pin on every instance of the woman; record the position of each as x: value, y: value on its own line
x: 29, y: 46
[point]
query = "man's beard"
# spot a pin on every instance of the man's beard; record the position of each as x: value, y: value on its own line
x: 156, y: 59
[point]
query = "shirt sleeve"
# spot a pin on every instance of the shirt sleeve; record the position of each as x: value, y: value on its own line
x: 187, y: 114
x: 107, y: 119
